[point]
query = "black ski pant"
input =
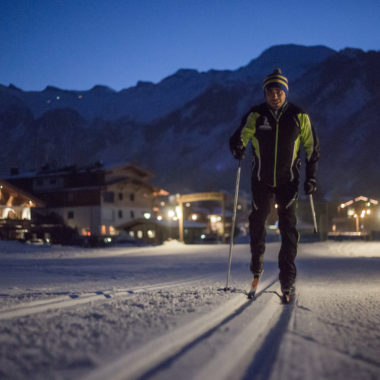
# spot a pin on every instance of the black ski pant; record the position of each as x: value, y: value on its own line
x: 286, y: 200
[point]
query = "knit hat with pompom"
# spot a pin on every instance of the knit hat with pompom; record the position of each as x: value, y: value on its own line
x: 276, y: 79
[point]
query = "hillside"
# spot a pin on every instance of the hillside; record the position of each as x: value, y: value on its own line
x: 179, y: 127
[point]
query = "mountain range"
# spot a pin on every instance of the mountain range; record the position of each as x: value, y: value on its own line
x: 179, y: 128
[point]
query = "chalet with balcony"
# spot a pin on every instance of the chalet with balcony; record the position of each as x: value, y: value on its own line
x: 15, y: 211
x: 357, y: 217
x: 94, y: 199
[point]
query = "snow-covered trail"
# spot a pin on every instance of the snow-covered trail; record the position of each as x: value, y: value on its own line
x: 161, y: 313
x: 335, y: 325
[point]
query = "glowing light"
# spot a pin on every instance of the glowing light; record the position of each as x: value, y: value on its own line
x: 203, y: 236
x: 159, y: 217
x: 342, y: 205
x: 276, y: 205
x: 213, y: 219
x: 147, y: 215
x: 171, y: 213
x: 194, y: 217
x: 368, y: 212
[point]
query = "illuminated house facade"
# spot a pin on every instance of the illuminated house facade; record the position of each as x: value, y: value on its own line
x: 358, y: 216
x: 96, y: 199
x: 15, y: 211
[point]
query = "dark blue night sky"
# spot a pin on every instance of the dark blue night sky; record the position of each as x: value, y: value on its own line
x: 76, y: 44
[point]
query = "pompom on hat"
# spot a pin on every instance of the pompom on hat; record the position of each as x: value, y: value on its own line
x: 276, y: 79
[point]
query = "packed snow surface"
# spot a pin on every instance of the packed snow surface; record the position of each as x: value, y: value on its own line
x: 161, y: 313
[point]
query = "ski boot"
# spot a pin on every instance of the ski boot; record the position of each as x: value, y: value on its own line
x: 255, y: 283
x: 288, y: 294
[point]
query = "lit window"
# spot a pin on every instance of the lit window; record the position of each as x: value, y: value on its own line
x: 104, y: 229
x: 140, y: 234
x: 151, y: 234
x: 84, y: 231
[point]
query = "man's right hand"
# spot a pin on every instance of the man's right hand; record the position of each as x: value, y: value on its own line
x: 238, y: 152
x: 237, y: 148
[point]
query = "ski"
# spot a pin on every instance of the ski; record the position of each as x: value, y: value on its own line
x: 255, y: 283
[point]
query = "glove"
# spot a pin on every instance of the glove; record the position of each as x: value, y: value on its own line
x: 238, y: 152
x: 236, y: 147
x: 310, y: 186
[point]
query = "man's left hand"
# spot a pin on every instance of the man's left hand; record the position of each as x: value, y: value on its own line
x: 310, y: 186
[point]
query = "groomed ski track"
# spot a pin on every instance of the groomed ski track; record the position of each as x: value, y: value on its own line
x: 163, y: 357
x: 72, y: 300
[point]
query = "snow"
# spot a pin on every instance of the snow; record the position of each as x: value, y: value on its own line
x: 161, y: 313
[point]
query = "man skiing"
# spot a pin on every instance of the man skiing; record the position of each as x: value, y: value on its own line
x: 276, y: 128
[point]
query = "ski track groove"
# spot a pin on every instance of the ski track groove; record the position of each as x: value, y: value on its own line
x: 71, y: 300
x: 235, y: 358
x: 369, y: 362
x: 150, y: 358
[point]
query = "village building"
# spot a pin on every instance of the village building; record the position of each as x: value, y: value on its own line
x: 15, y: 211
x: 95, y: 200
x: 357, y: 217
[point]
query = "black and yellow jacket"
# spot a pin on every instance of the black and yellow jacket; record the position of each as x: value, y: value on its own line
x: 276, y: 138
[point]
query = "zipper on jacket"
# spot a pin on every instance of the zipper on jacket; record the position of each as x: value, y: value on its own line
x: 275, y: 156
x: 277, y: 118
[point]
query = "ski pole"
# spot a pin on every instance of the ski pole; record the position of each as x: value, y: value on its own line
x: 313, y: 213
x: 233, y: 225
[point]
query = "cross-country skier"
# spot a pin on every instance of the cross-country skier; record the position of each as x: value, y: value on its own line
x: 276, y: 128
